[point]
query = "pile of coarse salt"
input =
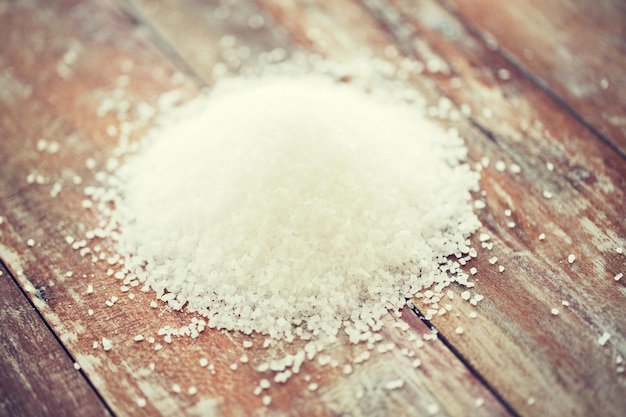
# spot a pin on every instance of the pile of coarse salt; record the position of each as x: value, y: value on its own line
x: 294, y: 206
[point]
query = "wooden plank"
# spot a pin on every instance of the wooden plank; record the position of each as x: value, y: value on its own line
x: 575, y: 49
x: 519, y: 347
x: 38, y: 377
x: 529, y: 356
x: 78, y: 73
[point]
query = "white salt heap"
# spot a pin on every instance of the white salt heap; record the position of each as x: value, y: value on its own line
x: 295, y: 206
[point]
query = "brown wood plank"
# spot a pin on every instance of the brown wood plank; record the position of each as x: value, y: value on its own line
x: 576, y: 49
x: 531, y: 357
x: 38, y: 377
x: 75, y: 73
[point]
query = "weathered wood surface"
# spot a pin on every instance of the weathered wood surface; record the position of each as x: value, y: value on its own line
x: 59, y: 96
x: 38, y: 377
x: 530, y: 357
x: 62, y: 61
x: 576, y: 49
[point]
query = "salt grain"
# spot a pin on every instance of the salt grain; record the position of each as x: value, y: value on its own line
x: 106, y: 344
x: 571, y: 258
x: 604, y: 338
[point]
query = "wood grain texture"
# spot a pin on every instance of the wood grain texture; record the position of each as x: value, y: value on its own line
x: 575, y: 49
x: 38, y: 377
x: 531, y: 357
x: 80, y: 74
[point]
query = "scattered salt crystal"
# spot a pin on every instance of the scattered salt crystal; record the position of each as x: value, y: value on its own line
x: 500, y: 166
x: 192, y: 390
x: 554, y: 311
x: 619, y: 250
x: 547, y: 194
x: 141, y: 402
x: 313, y: 386
x: 138, y: 338
x: 565, y: 303
x: 266, y: 400
x: 432, y: 409
x: 493, y: 260
x: 479, y: 402
x: 542, y: 236
x: 516, y: 169
x: 76, y: 366
x: 416, y: 363
x: 90, y: 289
x: 30, y: 242
x: 153, y: 304
x: 106, y: 344
x: 465, y: 295
x: 459, y: 330
x: 550, y: 166
x: 504, y: 74
x: 618, y: 276
x: 176, y: 389
x: 500, y: 268
x: 204, y: 362
x: 395, y: 384
x: 530, y: 401
x: 247, y: 344
x: 604, y: 338
x: 571, y: 258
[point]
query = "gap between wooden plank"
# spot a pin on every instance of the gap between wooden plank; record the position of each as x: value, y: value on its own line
x: 4, y: 268
x: 161, y: 42
x: 535, y: 79
x: 450, y: 346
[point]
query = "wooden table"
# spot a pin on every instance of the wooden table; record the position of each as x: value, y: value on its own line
x: 541, y: 85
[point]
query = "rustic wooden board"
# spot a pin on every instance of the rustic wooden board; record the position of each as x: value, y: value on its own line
x: 531, y: 357
x: 78, y: 73
x: 575, y: 49
x: 38, y: 377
